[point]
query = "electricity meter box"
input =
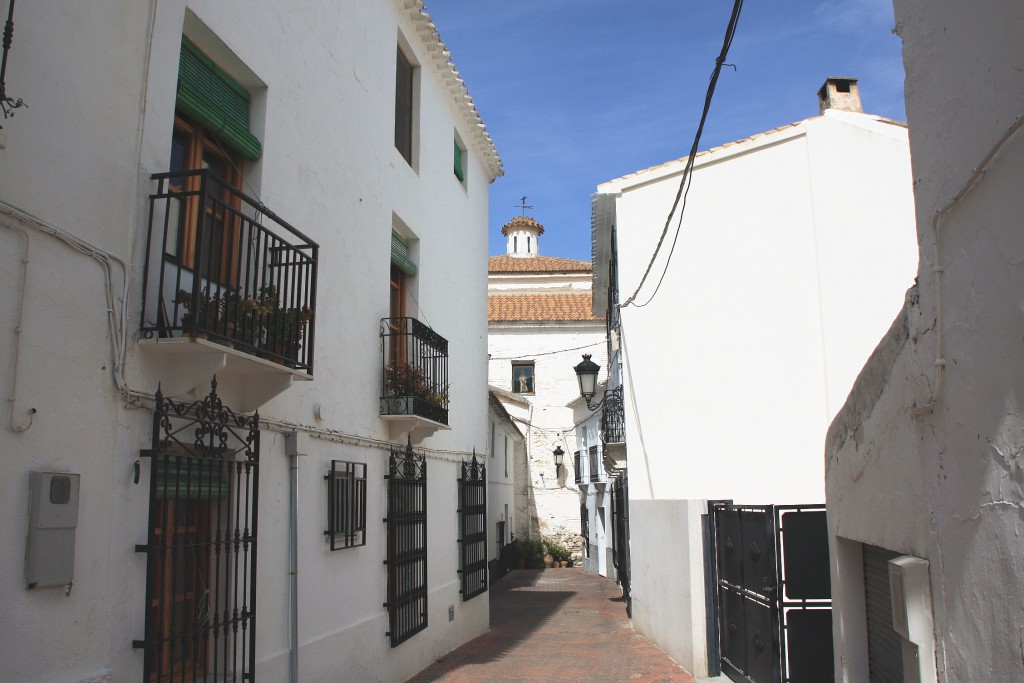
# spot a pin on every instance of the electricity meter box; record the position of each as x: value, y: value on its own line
x: 52, y: 521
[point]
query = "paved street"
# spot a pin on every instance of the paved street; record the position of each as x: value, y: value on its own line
x: 556, y: 625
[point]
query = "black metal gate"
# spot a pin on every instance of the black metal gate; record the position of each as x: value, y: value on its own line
x: 620, y: 534
x: 774, y: 607
x: 407, y: 545
x: 473, y: 529
x: 201, y: 550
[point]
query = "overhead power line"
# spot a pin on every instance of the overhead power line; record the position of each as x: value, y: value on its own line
x: 684, y: 182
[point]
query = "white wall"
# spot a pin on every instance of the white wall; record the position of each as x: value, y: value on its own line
x: 796, y: 248
x: 548, y: 422
x: 926, y: 460
x: 101, y: 98
x: 596, y: 496
x: 507, y: 447
x: 776, y: 295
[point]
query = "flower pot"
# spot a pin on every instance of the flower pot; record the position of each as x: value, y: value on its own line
x: 549, y: 562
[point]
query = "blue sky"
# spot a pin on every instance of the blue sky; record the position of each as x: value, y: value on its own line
x: 578, y: 92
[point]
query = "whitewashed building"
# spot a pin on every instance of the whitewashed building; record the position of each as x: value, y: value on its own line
x: 540, y: 319
x: 924, y: 461
x: 506, y: 494
x: 795, y: 249
x: 286, y: 198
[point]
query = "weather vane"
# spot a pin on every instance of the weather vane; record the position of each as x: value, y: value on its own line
x: 524, y: 206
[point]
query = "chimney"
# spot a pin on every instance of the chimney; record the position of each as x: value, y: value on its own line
x: 839, y: 93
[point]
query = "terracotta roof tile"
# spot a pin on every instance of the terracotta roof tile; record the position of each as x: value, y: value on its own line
x: 536, y: 264
x: 516, y: 307
x: 522, y: 222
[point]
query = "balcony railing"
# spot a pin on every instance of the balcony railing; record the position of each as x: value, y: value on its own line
x: 613, y: 422
x: 596, y: 470
x: 414, y: 371
x: 577, y: 461
x: 221, y: 266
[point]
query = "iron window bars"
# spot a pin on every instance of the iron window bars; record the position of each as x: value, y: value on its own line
x: 414, y: 370
x: 346, y: 505
x: 201, y: 549
x: 577, y: 463
x: 407, y: 545
x: 596, y: 469
x: 473, y: 529
x: 248, y: 281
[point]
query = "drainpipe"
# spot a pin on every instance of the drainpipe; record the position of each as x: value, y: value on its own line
x: 295, y: 444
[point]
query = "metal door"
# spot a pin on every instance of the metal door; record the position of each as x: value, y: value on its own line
x: 774, y: 611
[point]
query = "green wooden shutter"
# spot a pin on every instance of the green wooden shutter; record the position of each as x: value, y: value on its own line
x: 400, y: 254
x: 459, y: 173
x: 215, y: 100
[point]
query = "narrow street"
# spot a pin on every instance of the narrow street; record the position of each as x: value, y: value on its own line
x: 556, y: 624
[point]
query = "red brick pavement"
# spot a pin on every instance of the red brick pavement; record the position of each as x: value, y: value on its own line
x: 556, y: 625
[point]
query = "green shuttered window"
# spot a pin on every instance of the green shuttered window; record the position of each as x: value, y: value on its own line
x: 400, y: 255
x: 459, y: 172
x: 215, y: 100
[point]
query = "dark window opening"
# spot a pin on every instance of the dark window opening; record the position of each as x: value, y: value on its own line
x: 404, y: 106
x: 346, y: 505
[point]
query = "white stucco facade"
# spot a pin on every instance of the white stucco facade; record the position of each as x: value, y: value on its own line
x: 540, y: 316
x: 505, y: 497
x: 795, y: 249
x: 75, y: 167
x: 925, y: 457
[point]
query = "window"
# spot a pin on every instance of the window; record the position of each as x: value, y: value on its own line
x: 404, y: 105
x: 346, y: 505
x: 522, y: 378
x: 506, y: 456
x: 529, y: 244
x: 460, y: 171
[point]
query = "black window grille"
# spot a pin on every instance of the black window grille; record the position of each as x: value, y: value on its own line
x: 346, y: 504
x: 407, y: 545
x: 201, y: 551
x: 577, y: 462
x: 473, y: 529
x: 596, y: 469
x: 414, y: 370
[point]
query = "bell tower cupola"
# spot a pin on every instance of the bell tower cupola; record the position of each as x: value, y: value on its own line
x: 523, y: 234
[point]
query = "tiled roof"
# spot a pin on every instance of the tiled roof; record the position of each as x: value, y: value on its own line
x: 536, y: 264
x: 522, y: 307
x: 522, y: 222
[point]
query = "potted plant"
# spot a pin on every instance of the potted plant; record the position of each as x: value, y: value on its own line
x: 403, y: 379
x: 283, y: 327
x: 529, y: 553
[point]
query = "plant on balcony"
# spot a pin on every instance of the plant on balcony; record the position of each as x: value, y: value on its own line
x: 404, y: 379
x: 259, y: 321
x: 285, y: 327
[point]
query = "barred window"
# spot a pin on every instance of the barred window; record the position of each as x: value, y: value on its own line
x: 473, y: 529
x: 407, y: 545
x: 346, y: 505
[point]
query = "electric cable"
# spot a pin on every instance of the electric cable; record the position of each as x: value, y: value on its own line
x: 684, y: 183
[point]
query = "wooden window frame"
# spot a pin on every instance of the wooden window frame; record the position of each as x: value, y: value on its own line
x: 201, y: 142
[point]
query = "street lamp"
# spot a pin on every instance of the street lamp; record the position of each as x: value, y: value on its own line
x: 559, y: 457
x: 586, y: 373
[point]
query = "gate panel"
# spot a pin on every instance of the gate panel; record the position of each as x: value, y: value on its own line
x: 809, y: 645
x: 758, y: 550
x: 805, y: 555
x: 762, y: 645
x: 730, y: 546
x: 734, y: 632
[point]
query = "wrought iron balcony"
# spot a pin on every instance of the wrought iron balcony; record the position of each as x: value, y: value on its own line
x: 414, y: 370
x: 613, y: 422
x: 220, y: 266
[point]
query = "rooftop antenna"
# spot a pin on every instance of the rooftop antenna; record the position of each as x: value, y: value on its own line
x: 524, y: 206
